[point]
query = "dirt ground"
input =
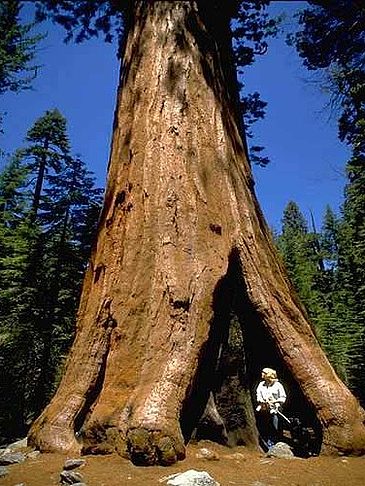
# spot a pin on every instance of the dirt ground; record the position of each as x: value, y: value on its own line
x: 237, y: 466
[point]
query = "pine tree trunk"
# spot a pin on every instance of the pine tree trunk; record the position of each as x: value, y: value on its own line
x: 183, y: 253
x: 39, y: 183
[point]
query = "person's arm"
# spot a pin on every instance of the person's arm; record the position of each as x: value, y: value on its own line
x: 259, y: 397
x: 281, y: 394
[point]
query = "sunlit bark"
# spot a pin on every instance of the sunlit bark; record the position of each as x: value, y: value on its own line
x: 180, y: 231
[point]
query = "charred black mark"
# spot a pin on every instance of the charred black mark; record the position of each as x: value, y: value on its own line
x: 105, y: 316
x: 181, y: 304
x: 174, y: 72
x: 119, y: 200
x: 216, y: 228
x: 184, y: 102
x: 109, y: 323
x: 128, y: 137
x: 181, y: 40
x: 230, y: 364
x: 98, y: 271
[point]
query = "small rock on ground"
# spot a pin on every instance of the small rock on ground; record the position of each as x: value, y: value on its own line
x: 33, y: 454
x: 192, y: 478
x: 3, y: 471
x: 70, y: 477
x: 205, y: 453
x: 280, y: 450
x: 15, y: 446
x: 73, y: 464
x: 11, y: 458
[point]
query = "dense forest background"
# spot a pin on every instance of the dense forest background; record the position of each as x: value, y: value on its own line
x: 49, y: 207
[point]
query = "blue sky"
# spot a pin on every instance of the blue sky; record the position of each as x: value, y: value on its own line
x: 300, y: 136
x: 299, y: 132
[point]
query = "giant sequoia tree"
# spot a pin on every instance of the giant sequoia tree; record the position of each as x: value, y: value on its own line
x: 185, y: 297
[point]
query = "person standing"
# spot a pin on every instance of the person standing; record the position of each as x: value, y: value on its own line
x: 270, y: 396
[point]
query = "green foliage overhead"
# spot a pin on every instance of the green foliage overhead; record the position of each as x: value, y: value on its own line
x: 332, y: 33
x: 17, y: 49
x: 83, y: 19
x: 331, y: 40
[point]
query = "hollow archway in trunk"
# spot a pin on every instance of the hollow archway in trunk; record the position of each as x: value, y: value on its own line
x: 184, y: 264
x: 223, y: 400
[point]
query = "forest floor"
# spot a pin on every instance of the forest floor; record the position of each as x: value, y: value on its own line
x: 238, y: 466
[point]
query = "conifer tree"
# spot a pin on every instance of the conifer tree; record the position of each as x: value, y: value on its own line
x: 69, y: 198
x: 331, y: 42
x: 351, y: 265
x: 340, y: 330
x: 313, y: 263
x: 17, y: 49
x: 45, y: 239
x: 296, y: 245
x: 17, y: 297
x: 47, y: 152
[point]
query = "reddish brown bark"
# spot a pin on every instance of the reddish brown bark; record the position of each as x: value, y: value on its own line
x: 180, y: 214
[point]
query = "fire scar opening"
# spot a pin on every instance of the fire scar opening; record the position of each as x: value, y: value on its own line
x: 221, y: 404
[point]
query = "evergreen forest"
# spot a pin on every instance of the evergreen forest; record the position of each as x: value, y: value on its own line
x: 50, y: 203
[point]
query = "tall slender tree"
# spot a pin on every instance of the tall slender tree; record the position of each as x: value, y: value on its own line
x: 48, y: 149
x: 16, y: 338
x: 313, y: 265
x: 331, y: 41
x: 70, y: 196
x: 43, y: 257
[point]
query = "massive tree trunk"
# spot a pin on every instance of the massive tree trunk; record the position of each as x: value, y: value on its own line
x: 185, y: 297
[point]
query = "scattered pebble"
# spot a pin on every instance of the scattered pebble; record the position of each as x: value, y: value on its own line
x: 73, y: 464
x: 70, y: 477
x: 11, y: 458
x: 280, y: 450
x: 3, y: 471
x: 207, y: 454
x: 191, y: 478
x: 15, y: 446
x: 265, y: 461
x: 238, y: 456
x: 33, y: 454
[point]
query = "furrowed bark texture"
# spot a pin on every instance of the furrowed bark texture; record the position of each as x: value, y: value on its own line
x: 180, y: 218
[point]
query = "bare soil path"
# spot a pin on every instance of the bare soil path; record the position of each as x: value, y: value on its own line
x: 237, y: 466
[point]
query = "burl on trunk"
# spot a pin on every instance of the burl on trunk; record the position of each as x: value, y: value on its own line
x: 185, y: 297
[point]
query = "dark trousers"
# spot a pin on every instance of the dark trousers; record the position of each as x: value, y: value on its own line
x: 269, y: 426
